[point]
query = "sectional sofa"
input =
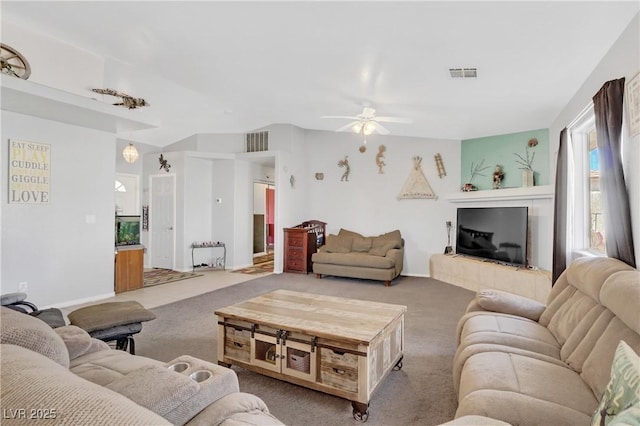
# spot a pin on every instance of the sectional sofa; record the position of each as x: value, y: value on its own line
x: 528, y: 363
x: 67, y: 377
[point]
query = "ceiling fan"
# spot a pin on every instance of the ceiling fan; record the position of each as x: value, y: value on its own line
x: 367, y: 122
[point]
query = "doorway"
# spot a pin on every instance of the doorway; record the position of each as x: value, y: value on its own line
x: 162, y: 213
x: 263, y: 218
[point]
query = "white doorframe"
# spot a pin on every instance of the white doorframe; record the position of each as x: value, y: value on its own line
x: 151, y: 213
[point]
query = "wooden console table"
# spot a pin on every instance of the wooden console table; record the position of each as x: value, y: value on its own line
x: 339, y: 346
x: 476, y: 275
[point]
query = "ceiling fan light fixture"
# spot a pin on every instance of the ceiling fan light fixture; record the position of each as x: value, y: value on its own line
x: 130, y: 153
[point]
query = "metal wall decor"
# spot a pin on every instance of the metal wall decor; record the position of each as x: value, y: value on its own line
x: 13, y: 63
x: 345, y: 164
x: 127, y: 101
x: 164, y: 164
x: 380, y: 158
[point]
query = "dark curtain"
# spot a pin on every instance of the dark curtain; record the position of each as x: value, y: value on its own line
x: 560, y: 209
x: 607, y: 105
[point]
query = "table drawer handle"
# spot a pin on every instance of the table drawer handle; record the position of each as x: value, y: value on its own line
x: 339, y: 371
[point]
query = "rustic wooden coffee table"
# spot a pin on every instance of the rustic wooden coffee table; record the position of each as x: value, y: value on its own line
x: 339, y: 346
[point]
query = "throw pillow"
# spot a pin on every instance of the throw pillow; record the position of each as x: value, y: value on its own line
x: 623, y: 391
x: 381, y: 250
x: 393, y: 236
x: 337, y: 244
x: 346, y: 233
x: 361, y: 244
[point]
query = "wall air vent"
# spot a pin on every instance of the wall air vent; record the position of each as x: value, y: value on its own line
x: 463, y: 72
x: 258, y: 141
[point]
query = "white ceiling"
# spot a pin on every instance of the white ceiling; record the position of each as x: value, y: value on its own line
x: 233, y: 67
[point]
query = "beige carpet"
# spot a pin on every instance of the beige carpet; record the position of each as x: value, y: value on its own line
x: 420, y: 394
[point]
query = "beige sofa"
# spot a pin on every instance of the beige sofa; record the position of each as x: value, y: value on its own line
x: 528, y: 363
x: 64, y: 376
x: 353, y: 255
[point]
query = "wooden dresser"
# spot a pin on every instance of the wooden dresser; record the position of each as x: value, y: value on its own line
x: 300, y: 242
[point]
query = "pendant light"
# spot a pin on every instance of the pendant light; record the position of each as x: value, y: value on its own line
x: 130, y: 153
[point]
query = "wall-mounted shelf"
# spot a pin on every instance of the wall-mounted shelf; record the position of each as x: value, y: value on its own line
x: 506, y: 194
x: 29, y: 98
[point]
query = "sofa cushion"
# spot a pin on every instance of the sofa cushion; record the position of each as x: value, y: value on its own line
x: 29, y: 332
x: 78, y: 341
x: 354, y: 259
x: 33, y: 381
x: 502, y: 329
x: 531, y: 379
x: 109, y: 314
x: 621, y: 294
x: 623, y: 389
x: 596, y: 371
x: 388, y: 237
x: 337, y: 244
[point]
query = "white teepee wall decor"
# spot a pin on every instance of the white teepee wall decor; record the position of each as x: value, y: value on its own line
x: 416, y: 185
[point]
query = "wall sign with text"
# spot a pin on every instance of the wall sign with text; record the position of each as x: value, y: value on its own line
x: 29, y: 172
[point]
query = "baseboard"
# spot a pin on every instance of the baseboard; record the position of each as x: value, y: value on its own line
x: 416, y: 275
x: 80, y: 301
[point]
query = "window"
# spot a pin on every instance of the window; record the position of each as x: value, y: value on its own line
x: 596, y: 231
x: 588, y: 214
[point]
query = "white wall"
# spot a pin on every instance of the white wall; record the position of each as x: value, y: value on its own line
x: 622, y: 60
x: 368, y: 202
x: 64, y: 250
x: 198, y: 211
x: 54, y: 63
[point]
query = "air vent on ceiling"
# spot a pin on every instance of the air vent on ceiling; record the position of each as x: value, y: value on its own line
x: 258, y: 141
x: 463, y: 72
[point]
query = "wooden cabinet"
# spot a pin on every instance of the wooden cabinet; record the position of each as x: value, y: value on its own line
x: 300, y: 242
x: 129, y: 272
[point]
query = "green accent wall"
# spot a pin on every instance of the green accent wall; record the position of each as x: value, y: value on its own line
x: 493, y: 150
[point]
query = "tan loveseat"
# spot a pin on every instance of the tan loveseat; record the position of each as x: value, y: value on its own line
x: 353, y: 255
x: 67, y: 377
x: 528, y: 363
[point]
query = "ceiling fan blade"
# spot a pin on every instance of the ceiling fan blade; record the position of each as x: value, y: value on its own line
x: 340, y: 116
x: 394, y: 120
x: 347, y: 126
x: 379, y: 128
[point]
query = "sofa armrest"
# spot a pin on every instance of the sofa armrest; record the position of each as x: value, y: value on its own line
x: 509, y: 303
x: 398, y: 257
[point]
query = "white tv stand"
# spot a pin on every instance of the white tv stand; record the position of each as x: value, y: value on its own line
x: 475, y: 275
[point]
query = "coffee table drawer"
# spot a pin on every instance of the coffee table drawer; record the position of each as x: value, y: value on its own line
x: 339, y: 359
x: 237, y: 341
x: 339, y: 378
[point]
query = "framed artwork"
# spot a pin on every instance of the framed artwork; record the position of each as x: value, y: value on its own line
x: 29, y: 172
x: 633, y: 105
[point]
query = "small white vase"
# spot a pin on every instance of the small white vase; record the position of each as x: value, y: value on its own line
x: 527, y: 178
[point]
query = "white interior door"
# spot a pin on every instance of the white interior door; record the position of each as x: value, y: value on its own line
x: 162, y: 213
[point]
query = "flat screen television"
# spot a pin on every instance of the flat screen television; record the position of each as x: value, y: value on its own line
x: 127, y: 230
x: 498, y: 234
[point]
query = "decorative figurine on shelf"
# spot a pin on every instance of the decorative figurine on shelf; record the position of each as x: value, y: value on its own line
x: 345, y: 163
x: 498, y: 175
x: 476, y: 170
x: 448, y: 249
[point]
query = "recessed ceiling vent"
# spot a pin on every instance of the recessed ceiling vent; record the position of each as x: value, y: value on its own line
x: 463, y: 72
x: 258, y: 141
